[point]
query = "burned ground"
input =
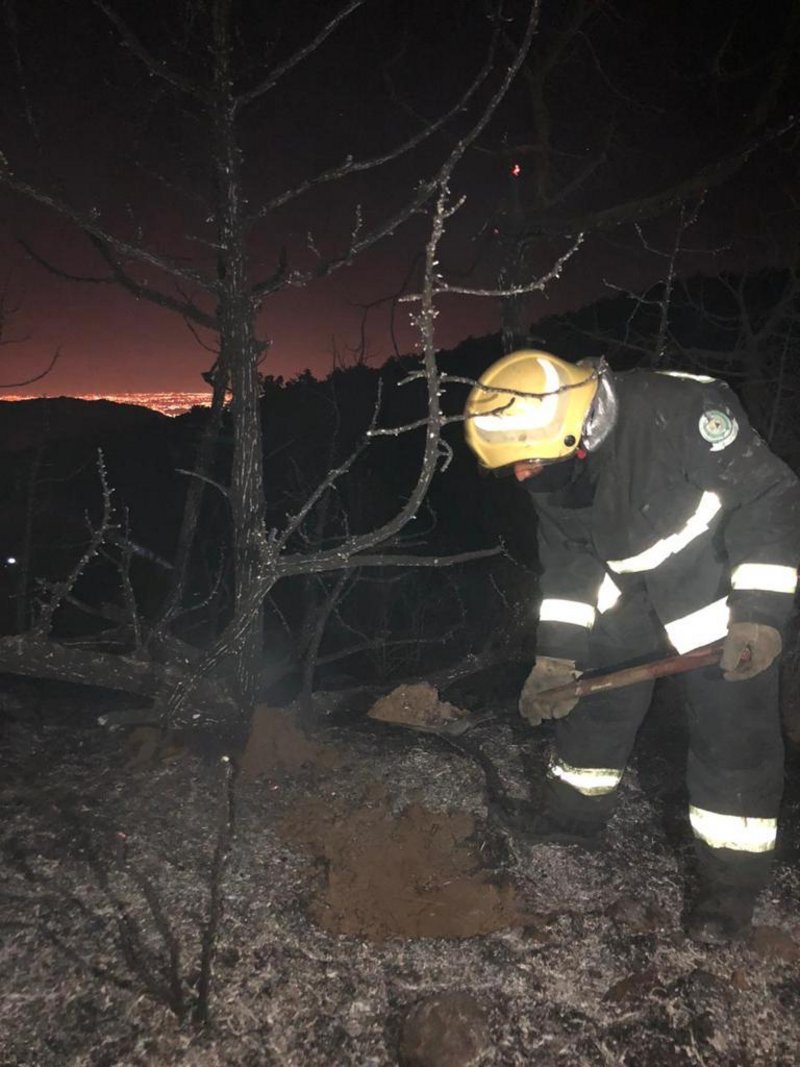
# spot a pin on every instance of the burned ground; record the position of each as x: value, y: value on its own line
x: 359, y: 877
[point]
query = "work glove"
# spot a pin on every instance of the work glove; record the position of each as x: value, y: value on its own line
x: 548, y: 673
x: 749, y: 649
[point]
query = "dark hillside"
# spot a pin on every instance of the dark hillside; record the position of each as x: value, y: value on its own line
x: 26, y: 424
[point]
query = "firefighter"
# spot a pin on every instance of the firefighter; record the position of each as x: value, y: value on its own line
x: 664, y: 524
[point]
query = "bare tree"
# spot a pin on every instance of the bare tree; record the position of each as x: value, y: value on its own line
x: 221, y: 291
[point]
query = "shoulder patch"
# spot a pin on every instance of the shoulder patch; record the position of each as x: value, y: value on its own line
x: 718, y: 428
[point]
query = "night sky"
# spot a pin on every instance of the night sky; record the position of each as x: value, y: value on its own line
x: 642, y: 96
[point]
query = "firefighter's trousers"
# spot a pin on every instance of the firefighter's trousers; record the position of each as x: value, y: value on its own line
x: 735, y: 761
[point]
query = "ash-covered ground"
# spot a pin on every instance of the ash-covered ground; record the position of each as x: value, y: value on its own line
x: 158, y: 908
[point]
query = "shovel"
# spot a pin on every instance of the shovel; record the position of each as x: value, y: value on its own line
x: 707, y: 656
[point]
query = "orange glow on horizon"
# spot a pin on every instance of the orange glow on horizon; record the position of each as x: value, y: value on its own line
x: 172, y: 404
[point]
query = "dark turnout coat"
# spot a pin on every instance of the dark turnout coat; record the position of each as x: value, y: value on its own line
x: 683, y: 500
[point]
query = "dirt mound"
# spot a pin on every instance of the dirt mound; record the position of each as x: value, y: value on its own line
x: 416, y: 874
x: 276, y: 745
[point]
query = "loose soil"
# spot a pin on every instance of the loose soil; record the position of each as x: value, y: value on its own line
x: 303, y: 900
x: 415, y: 873
x: 418, y: 706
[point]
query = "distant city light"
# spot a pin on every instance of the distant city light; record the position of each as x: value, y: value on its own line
x: 516, y: 170
x: 167, y: 403
x: 11, y: 560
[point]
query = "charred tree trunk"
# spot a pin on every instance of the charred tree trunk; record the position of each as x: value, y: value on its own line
x: 46, y: 659
x: 239, y: 352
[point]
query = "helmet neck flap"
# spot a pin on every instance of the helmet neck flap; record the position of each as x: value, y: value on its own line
x: 602, y: 417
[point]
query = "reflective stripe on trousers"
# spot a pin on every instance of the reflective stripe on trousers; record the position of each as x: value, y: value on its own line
x: 736, y: 832
x: 590, y: 781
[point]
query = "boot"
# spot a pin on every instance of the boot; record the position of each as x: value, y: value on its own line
x: 728, y: 886
x: 721, y: 914
x: 558, y: 828
x: 529, y: 825
x: 553, y: 822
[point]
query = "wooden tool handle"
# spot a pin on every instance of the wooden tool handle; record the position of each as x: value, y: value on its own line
x: 707, y: 656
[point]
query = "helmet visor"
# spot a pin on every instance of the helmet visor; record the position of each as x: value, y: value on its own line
x: 533, y: 423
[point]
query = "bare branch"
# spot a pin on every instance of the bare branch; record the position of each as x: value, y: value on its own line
x: 538, y: 285
x: 299, y: 279
x: 243, y: 99
x: 206, y: 480
x: 219, y: 866
x: 89, y: 224
x: 98, y: 536
x: 685, y: 220
x: 290, y: 565
x: 184, y: 306
x: 294, y: 522
x: 650, y: 206
x: 36, y: 377
x: 157, y: 67
x: 119, y: 276
x: 351, y: 166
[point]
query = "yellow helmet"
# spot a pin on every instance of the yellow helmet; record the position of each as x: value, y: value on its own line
x: 502, y: 427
